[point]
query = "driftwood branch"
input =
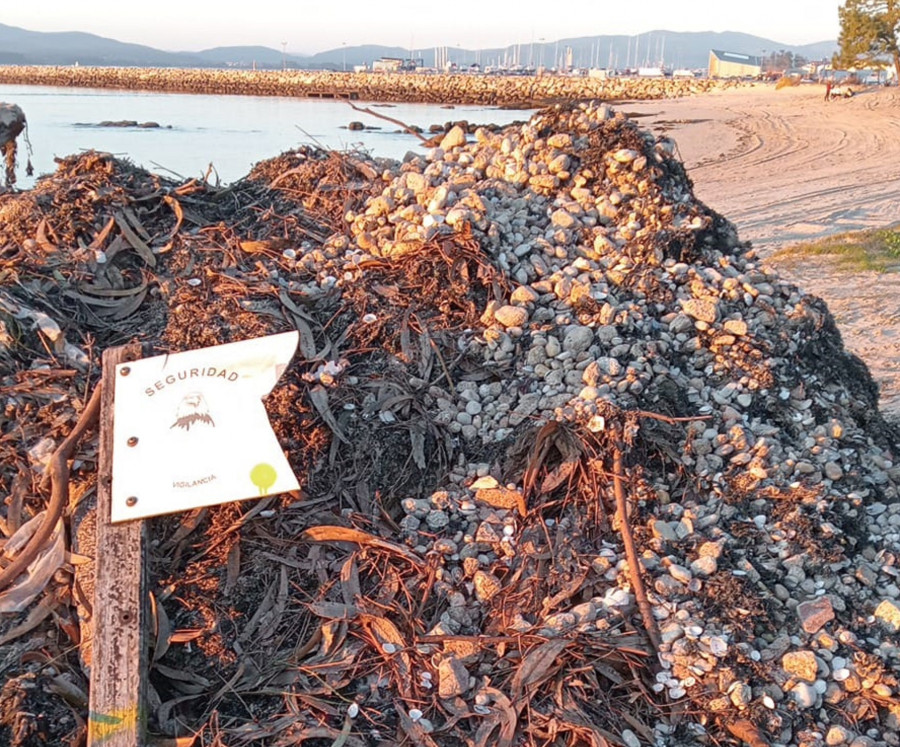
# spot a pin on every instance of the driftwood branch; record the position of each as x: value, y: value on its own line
x: 58, y: 473
x: 634, y: 566
x: 410, y: 130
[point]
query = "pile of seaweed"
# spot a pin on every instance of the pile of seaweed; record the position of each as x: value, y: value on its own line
x: 603, y: 570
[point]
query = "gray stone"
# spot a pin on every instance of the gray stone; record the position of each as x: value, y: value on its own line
x: 453, y: 677
x: 454, y: 138
x: 704, y: 566
x: 888, y: 614
x: 577, y: 339
x: 701, y: 309
x: 563, y: 219
x: 437, y: 519
x: 833, y: 471
x: 680, y: 573
x: 815, y: 613
x: 800, y: 664
x: 804, y: 695
x: 511, y: 316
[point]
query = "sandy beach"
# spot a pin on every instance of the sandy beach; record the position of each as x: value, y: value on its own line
x: 786, y: 166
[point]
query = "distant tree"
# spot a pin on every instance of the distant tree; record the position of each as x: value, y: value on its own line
x: 778, y: 61
x: 869, y: 34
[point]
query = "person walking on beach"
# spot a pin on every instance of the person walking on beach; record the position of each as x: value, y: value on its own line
x: 828, y: 85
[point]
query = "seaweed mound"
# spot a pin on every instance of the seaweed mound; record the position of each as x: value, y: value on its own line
x: 576, y: 468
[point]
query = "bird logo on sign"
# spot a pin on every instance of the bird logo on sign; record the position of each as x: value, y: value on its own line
x: 192, y: 410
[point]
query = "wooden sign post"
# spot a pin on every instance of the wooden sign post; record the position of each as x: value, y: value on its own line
x: 191, y: 431
x: 117, y: 715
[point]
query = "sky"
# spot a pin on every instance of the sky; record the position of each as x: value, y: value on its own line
x: 302, y: 27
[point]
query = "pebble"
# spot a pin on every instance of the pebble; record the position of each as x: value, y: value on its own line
x: 741, y: 694
x: 680, y: 573
x: 888, y: 614
x: 801, y: 664
x: 577, y: 339
x: 804, y: 695
x: 511, y: 316
x: 437, y: 520
x: 453, y: 139
x: 704, y: 566
x: 453, y: 677
x: 815, y: 614
x: 487, y: 586
x: 701, y: 309
x: 838, y: 735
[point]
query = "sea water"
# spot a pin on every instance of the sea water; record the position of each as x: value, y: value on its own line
x: 219, y: 137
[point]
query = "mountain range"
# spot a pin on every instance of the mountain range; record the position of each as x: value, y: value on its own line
x: 679, y: 49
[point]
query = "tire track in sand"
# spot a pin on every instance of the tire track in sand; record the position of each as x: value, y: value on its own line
x: 792, y: 167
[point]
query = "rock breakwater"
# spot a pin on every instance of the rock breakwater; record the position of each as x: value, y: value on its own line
x: 604, y: 477
x: 521, y: 91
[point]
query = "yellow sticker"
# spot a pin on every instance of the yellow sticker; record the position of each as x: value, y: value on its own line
x: 102, y: 726
x: 264, y: 477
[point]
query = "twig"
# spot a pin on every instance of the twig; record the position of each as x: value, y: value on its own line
x: 311, y: 137
x: 58, y: 473
x: 634, y: 568
x: 397, y: 122
x: 667, y: 419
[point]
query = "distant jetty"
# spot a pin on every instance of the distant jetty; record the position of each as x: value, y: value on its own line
x: 484, y: 90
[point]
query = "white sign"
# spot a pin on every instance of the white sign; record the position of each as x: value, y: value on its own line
x: 191, y: 429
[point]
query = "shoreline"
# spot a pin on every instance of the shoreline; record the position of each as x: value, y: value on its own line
x: 785, y: 167
x: 485, y: 90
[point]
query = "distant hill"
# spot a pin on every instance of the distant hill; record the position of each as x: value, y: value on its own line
x: 22, y: 47
x: 71, y: 47
x: 249, y: 56
x: 364, y: 55
x: 678, y: 49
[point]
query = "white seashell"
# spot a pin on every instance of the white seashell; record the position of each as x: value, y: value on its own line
x: 717, y: 646
x: 415, y: 714
x: 353, y: 710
